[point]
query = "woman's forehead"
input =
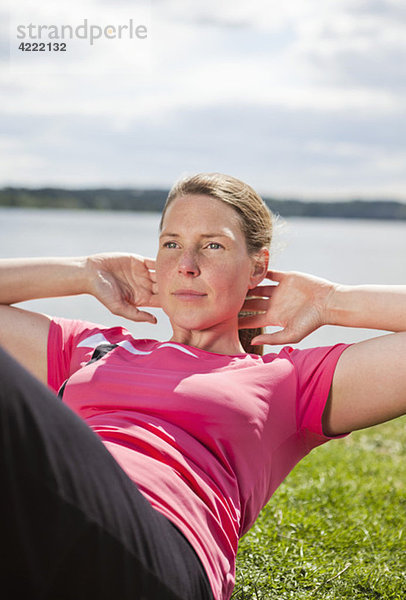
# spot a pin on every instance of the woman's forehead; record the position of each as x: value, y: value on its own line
x: 201, y: 210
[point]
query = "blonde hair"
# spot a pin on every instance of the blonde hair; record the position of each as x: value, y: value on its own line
x: 255, y: 218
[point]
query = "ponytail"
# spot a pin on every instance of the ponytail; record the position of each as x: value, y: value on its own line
x: 246, y: 335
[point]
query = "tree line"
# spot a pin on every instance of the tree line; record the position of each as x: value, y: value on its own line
x: 152, y: 200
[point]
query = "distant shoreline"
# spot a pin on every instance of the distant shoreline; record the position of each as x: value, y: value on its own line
x: 151, y: 200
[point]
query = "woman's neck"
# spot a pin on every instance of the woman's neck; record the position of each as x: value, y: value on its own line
x: 211, y: 340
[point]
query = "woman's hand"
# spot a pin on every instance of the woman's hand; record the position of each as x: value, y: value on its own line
x: 369, y: 380
x: 123, y: 282
x: 298, y: 304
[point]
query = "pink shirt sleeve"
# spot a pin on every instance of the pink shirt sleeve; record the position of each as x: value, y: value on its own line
x: 314, y: 374
x: 65, y: 355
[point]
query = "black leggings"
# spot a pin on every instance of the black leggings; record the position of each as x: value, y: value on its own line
x: 72, y: 523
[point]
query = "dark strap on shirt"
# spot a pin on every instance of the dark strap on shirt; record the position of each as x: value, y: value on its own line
x: 98, y: 353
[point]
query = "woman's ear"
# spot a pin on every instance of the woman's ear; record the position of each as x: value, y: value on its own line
x: 259, y: 268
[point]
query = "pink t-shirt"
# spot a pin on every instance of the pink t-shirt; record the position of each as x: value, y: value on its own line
x: 206, y: 437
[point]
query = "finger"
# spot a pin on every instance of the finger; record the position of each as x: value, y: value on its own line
x: 146, y: 298
x: 150, y: 263
x: 144, y: 282
x: 253, y: 321
x: 281, y: 337
x: 256, y: 304
x: 274, y: 275
x: 154, y: 301
x: 261, y: 291
x: 146, y: 316
x: 266, y: 339
x: 132, y: 313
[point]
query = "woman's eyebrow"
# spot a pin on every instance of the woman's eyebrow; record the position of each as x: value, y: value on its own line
x: 203, y: 235
x: 217, y: 234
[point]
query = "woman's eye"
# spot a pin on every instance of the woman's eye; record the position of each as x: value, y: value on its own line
x: 214, y: 246
x: 170, y: 245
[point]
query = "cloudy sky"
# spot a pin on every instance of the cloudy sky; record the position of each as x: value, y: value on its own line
x: 302, y: 98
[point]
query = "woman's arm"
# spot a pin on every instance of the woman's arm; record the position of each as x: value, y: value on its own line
x: 369, y: 306
x: 122, y: 282
x: 24, y: 334
x: 369, y: 383
x: 28, y: 278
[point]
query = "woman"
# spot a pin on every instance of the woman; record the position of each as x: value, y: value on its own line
x: 193, y: 435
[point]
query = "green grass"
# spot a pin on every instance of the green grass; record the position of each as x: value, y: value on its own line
x: 336, y: 528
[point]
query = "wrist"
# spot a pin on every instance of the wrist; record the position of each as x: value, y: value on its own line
x: 337, y: 305
x: 90, y: 273
x: 80, y: 275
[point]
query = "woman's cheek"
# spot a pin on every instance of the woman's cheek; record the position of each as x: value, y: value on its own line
x: 235, y: 281
x: 230, y: 297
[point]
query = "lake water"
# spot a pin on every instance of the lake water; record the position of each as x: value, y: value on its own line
x: 347, y: 251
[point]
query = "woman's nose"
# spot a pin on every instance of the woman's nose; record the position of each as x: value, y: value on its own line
x: 188, y: 264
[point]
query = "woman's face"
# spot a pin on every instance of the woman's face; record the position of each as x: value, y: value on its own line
x: 203, y: 268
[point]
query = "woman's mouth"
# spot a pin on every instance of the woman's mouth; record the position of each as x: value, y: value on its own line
x: 188, y: 295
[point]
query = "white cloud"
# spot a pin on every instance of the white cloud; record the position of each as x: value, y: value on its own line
x: 282, y: 151
x: 315, y: 88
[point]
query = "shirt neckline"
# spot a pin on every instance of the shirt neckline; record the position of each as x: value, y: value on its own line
x: 207, y: 352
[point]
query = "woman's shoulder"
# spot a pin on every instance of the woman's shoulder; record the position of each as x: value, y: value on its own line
x: 306, y: 357
x: 82, y: 333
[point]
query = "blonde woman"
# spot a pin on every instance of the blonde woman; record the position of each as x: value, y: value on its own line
x: 139, y: 483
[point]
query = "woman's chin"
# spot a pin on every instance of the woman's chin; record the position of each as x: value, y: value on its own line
x: 199, y: 320
x: 190, y: 324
